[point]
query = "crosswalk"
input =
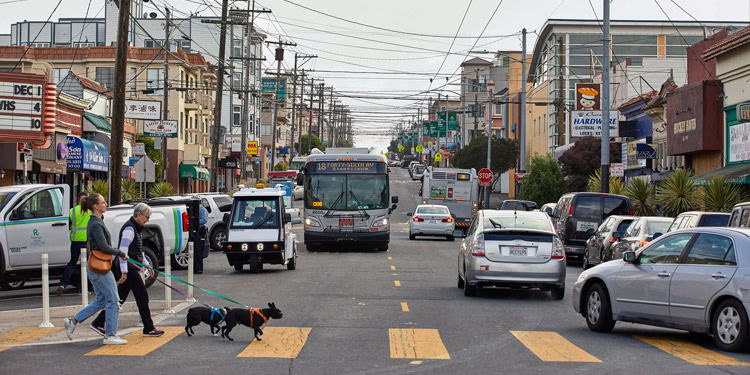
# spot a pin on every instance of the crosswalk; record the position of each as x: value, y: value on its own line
x: 413, y: 344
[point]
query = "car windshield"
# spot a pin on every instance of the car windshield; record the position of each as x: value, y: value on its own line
x: 432, y: 210
x: 708, y: 220
x: 5, y: 198
x: 256, y: 213
x: 658, y: 226
x: 350, y: 192
x: 518, y: 223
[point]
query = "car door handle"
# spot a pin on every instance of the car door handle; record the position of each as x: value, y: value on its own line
x: 719, y: 276
x: 59, y: 224
x: 664, y: 274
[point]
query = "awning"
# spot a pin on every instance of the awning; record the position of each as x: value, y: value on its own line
x: 87, y: 155
x: 47, y: 166
x: 194, y: 172
x: 99, y: 122
x: 735, y: 173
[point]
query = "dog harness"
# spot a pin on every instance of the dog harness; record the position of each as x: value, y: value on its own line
x: 217, y: 311
x: 259, y: 313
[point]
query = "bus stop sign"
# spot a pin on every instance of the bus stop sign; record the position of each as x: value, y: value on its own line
x: 485, y: 176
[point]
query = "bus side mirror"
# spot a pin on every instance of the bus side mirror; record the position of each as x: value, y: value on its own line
x: 394, y: 199
x: 287, y: 218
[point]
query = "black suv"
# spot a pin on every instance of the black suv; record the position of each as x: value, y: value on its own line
x: 407, y: 159
x: 578, y: 215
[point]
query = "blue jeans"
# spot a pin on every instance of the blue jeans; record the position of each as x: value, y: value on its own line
x: 105, y: 288
x: 75, y: 254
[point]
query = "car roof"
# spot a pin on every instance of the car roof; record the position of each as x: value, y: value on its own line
x: 253, y: 192
x: 725, y: 230
x: 510, y: 213
x: 658, y: 218
x: 704, y: 213
x: 433, y: 205
x: 743, y: 204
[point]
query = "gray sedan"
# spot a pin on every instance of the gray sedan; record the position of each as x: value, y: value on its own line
x: 516, y: 249
x: 692, y: 279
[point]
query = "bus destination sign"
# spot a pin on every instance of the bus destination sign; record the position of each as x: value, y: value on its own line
x: 346, y: 167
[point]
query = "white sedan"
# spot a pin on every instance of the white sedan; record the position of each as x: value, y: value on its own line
x: 431, y: 220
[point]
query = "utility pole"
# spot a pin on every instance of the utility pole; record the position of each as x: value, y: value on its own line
x: 489, y: 150
x: 523, y: 103
x: 476, y: 105
x: 294, y: 97
x: 605, y: 101
x: 309, y: 126
x: 463, y: 112
x: 279, y: 58
x: 165, y: 104
x: 561, y: 99
x: 219, y: 93
x: 331, y: 109
x: 320, y: 112
x: 429, y: 114
x: 118, y: 103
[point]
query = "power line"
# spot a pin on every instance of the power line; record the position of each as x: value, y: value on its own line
x: 37, y: 34
x: 454, y: 38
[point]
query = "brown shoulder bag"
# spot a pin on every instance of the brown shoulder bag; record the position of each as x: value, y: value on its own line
x: 99, y: 261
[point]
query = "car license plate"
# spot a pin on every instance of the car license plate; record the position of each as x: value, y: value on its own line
x: 518, y: 251
x: 583, y: 226
x: 433, y: 221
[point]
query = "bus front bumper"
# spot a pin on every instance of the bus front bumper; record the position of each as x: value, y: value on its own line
x: 336, y: 237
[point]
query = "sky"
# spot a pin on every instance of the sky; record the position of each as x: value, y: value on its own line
x: 369, y: 66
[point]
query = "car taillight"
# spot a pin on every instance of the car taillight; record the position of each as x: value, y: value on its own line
x: 558, y: 250
x: 185, y: 222
x: 477, y: 246
x: 448, y: 220
x: 631, y: 212
x: 613, y: 240
x: 570, y: 210
x: 418, y: 219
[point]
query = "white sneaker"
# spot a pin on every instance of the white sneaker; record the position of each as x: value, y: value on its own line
x: 69, y: 327
x: 114, y: 340
x: 119, y: 305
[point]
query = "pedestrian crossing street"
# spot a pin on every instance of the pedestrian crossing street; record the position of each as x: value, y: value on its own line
x: 403, y: 343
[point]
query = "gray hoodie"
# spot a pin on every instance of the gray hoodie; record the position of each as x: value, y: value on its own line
x: 99, y: 237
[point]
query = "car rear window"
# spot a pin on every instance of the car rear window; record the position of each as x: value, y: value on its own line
x: 514, y: 206
x: 432, y: 210
x: 587, y: 207
x: 518, y: 223
x: 624, y: 225
x: 224, y: 203
x: 519, y: 236
x: 715, y: 220
x: 658, y: 227
x: 615, y: 206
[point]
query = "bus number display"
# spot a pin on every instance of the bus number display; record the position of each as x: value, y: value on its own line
x: 317, y: 204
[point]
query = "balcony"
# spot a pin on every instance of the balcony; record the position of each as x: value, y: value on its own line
x: 191, y: 102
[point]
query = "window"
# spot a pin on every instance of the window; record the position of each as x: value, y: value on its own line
x: 237, y: 114
x: 606, y: 225
x: 237, y: 47
x: 587, y: 207
x: 653, y: 227
x: 745, y: 220
x: 265, y: 130
x: 615, y: 206
x: 150, y: 43
x: 185, y: 45
x: 534, y: 126
x: 735, y: 221
x: 46, y: 203
x: 155, y: 80
x: 182, y: 83
x: 133, y: 81
x: 237, y: 80
x: 715, y: 220
x: 477, y: 85
x: 356, y: 192
x: 206, y: 205
x: 256, y: 213
x: 432, y: 210
x: 224, y: 204
x: 83, y: 44
x: 633, y: 230
x: 40, y: 45
x: 710, y: 249
x: 60, y: 74
x: 624, y: 225
x: 106, y: 77
x: 667, y: 250
x: 182, y: 122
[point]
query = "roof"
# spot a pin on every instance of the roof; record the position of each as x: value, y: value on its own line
x: 99, y: 122
x: 97, y: 53
x: 640, y: 98
x: 476, y: 61
x: 253, y: 192
x: 704, y: 213
x: 733, y: 41
x: 92, y: 85
x: 666, y: 88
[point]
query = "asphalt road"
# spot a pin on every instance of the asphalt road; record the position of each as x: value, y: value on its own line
x: 389, y: 312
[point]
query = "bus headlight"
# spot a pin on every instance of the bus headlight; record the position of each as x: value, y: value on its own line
x: 380, y: 222
x: 311, y: 222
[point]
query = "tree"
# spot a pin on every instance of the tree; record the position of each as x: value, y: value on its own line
x: 581, y: 160
x: 677, y: 193
x: 542, y: 181
x: 504, y: 155
x: 341, y: 142
x: 153, y: 154
x: 316, y: 143
x: 616, y: 184
x: 280, y: 166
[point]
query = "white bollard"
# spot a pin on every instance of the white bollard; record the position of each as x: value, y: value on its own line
x: 45, y: 292
x: 168, y: 281
x: 191, y: 270
x: 84, y: 277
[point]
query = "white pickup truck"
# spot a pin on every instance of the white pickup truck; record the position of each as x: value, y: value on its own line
x: 34, y: 220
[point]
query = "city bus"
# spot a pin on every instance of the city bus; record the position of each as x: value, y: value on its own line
x: 458, y: 189
x: 346, y: 201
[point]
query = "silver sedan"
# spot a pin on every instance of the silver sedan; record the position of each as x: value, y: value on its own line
x: 431, y: 220
x: 692, y: 279
x: 517, y: 249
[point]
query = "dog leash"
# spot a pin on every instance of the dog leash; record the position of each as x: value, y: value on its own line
x: 184, y: 282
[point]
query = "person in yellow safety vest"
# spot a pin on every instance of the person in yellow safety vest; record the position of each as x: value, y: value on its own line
x: 79, y: 219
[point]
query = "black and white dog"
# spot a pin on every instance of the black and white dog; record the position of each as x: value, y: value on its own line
x: 210, y: 315
x: 253, y: 318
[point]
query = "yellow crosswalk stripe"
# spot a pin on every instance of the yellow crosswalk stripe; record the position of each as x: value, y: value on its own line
x: 393, y: 268
x: 278, y: 342
x: 417, y: 343
x: 691, y: 352
x: 396, y: 283
x: 139, y: 346
x: 20, y: 336
x: 551, y: 347
x: 404, y: 307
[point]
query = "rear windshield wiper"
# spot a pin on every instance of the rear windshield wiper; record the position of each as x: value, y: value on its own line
x: 496, y: 224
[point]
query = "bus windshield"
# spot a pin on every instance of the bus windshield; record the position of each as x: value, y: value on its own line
x: 296, y: 165
x: 346, y: 192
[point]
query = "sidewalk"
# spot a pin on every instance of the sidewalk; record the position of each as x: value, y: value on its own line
x: 21, y: 327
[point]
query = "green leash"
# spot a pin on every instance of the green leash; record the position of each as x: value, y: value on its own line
x: 186, y: 283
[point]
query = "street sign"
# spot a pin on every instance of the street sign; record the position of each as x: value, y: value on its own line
x: 144, y: 170
x: 485, y: 176
x: 420, y: 148
x: 139, y: 149
x: 400, y: 148
x: 446, y: 153
x: 438, y: 157
x: 252, y: 148
x: 616, y: 170
x: 160, y: 128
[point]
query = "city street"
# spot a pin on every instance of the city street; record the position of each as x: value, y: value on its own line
x: 378, y: 312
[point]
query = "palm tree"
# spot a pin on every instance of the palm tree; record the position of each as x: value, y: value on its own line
x: 98, y: 187
x: 718, y: 195
x: 677, y: 193
x: 616, y: 184
x: 130, y: 190
x: 641, y: 195
x: 161, y: 189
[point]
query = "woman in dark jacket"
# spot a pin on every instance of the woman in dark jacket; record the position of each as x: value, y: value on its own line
x: 104, y: 284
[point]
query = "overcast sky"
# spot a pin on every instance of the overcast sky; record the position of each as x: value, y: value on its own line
x: 332, y: 39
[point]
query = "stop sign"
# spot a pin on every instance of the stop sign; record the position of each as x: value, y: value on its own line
x: 485, y: 176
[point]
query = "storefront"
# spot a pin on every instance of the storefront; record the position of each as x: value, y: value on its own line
x: 193, y: 179
x: 87, y: 160
x: 737, y: 135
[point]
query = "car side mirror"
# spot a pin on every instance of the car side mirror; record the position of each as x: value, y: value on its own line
x: 453, y: 216
x: 629, y: 257
x: 617, y: 235
x: 590, y: 231
x: 394, y: 199
x: 226, y: 217
x: 656, y: 235
x: 408, y: 214
x: 287, y: 218
x: 300, y: 179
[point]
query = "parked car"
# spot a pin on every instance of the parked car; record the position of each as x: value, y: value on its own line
x: 431, y: 220
x: 694, y: 219
x: 406, y: 160
x: 548, y: 208
x: 516, y: 205
x: 411, y: 167
x: 512, y: 249
x: 418, y: 172
x: 217, y: 204
x: 298, y: 192
x: 576, y: 213
x: 740, y: 216
x: 642, y: 231
x: 692, y: 279
x: 599, y: 245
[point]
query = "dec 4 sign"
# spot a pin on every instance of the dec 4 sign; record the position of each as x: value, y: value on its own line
x: 485, y: 176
